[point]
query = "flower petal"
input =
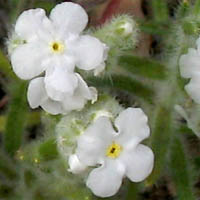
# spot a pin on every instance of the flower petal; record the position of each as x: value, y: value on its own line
x: 193, y: 88
x: 90, y: 52
x: 98, y: 70
x: 28, y: 60
x: 190, y: 64
x: 37, y: 96
x: 132, y: 126
x: 36, y: 92
x: 80, y: 96
x: 52, y: 107
x: 139, y: 162
x: 84, y: 90
x: 105, y: 181
x: 59, y: 82
x: 33, y: 23
x: 93, y: 94
x: 92, y: 144
x: 75, y: 166
x: 74, y: 102
x: 69, y: 18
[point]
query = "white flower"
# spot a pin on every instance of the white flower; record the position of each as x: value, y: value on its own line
x: 190, y: 68
x: 119, y: 154
x: 37, y: 96
x: 54, y: 45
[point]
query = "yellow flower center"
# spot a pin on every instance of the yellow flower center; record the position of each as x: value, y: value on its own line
x: 114, y: 150
x: 57, y: 47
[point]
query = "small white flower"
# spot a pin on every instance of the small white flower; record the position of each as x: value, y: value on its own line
x: 119, y: 154
x: 190, y: 68
x: 55, y: 46
x: 37, y: 96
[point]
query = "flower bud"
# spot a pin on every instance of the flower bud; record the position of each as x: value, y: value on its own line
x: 121, y: 32
x: 125, y: 29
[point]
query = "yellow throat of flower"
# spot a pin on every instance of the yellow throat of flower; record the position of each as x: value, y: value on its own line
x: 114, y: 150
x: 57, y: 47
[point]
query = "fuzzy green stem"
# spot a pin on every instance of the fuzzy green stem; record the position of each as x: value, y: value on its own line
x: 160, y: 141
x: 162, y: 126
x: 16, y: 118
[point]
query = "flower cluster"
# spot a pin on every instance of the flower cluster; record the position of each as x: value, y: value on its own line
x: 55, y: 46
x: 47, y: 51
x: 119, y: 154
x: 190, y: 68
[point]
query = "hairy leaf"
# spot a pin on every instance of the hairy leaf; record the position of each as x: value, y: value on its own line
x: 143, y: 67
x: 180, y: 171
x: 124, y: 83
x: 16, y: 118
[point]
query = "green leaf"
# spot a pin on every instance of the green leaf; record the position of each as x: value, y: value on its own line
x: 33, y: 118
x: 6, y: 167
x: 160, y: 140
x: 29, y: 178
x: 5, y: 66
x: 124, y: 83
x: 143, y: 67
x: 17, y: 117
x: 183, y: 129
x: 196, y: 10
x: 48, y: 150
x: 133, y: 191
x: 154, y: 28
x: 180, y: 171
x: 16, y: 7
x: 160, y: 10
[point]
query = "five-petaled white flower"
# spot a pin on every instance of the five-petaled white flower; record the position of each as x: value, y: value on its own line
x: 190, y: 68
x: 54, y: 45
x: 119, y: 153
